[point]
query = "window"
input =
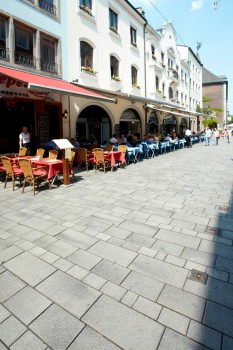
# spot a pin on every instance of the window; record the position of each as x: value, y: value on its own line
x: 170, y: 93
x: 49, y: 6
x: 163, y: 88
x: 86, y: 3
x: 182, y: 97
x: 134, y: 75
x: 185, y: 78
x: 153, y: 52
x: 86, y: 54
x: 49, y: 55
x: 177, y: 96
x: 2, y: 32
x: 133, y: 36
x: 162, y: 58
x: 157, y: 83
x: 182, y: 74
x: 169, y: 63
x: 114, y: 67
x: 113, y: 21
x: 22, y: 39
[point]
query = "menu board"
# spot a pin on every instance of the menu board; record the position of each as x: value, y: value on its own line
x: 43, y: 127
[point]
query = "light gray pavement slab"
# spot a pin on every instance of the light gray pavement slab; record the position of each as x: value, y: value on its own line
x: 125, y: 243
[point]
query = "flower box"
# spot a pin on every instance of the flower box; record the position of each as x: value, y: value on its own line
x: 116, y: 78
x: 154, y: 57
x: 114, y: 30
x: 87, y: 10
x: 164, y: 96
x: 158, y: 91
x: 136, y: 86
x: 88, y: 70
x: 134, y: 44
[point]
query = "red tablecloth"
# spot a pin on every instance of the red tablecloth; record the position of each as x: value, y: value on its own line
x: 113, y: 156
x: 55, y: 166
x: 15, y: 160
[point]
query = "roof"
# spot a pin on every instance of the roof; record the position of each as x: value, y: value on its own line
x: 37, y: 82
x: 209, y: 77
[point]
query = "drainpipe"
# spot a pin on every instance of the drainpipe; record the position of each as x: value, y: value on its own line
x: 145, y: 70
x: 69, y: 117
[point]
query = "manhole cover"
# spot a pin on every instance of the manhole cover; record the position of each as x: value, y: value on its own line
x: 213, y: 230
x: 198, y: 276
x: 224, y: 208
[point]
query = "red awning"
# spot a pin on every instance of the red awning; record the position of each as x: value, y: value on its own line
x: 40, y: 83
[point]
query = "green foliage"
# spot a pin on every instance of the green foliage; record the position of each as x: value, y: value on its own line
x: 211, y: 123
x: 206, y: 99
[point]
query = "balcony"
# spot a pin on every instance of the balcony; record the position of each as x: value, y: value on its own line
x: 45, y: 5
x: 49, y: 66
x: 173, y: 76
x: 4, y: 54
x: 25, y: 59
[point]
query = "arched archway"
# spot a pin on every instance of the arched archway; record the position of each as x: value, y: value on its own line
x: 153, y: 123
x: 130, y: 121
x: 169, y: 124
x: 93, y: 125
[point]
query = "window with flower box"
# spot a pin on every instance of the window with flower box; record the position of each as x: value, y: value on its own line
x: 113, y: 21
x: 133, y: 36
x: 134, y: 76
x: 114, y: 68
x: 157, y: 84
x: 86, y: 53
x: 86, y: 6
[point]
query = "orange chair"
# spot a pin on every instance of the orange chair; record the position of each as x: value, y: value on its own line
x: 84, y: 158
x: 11, y: 171
x: 108, y: 148
x: 22, y: 151
x: 33, y: 175
x: 99, y: 160
x: 40, y: 152
x: 53, y: 154
x: 71, y: 162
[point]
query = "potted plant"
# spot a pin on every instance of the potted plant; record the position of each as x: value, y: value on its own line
x: 113, y: 77
x: 136, y: 86
x: 88, y: 70
x: 87, y: 10
x: 154, y: 57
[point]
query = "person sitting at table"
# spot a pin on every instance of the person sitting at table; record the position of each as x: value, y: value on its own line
x: 155, y: 138
x: 75, y: 143
x: 113, y: 140
x: 168, y: 138
x: 134, y: 140
x: 123, y: 140
x: 146, y: 139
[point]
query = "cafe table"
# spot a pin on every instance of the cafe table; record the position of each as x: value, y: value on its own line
x: 54, y: 166
x: 114, y: 157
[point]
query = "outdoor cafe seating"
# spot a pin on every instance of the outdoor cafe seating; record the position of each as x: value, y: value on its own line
x: 12, y: 171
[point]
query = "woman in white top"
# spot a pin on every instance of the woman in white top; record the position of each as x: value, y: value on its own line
x: 25, y: 139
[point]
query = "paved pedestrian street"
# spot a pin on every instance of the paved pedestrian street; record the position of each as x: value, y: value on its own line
x: 137, y: 259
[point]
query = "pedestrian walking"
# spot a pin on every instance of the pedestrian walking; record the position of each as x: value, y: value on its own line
x: 208, y: 134
x: 229, y: 134
x: 216, y: 136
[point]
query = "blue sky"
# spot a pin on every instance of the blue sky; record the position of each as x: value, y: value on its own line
x: 197, y: 21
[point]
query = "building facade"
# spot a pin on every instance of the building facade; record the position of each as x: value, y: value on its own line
x: 215, y: 92
x: 105, y: 46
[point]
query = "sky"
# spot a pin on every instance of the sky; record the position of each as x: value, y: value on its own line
x: 197, y: 21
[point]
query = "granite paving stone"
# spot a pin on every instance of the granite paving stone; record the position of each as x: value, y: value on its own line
x: 118, y: 232
x: 110, y: 271
x: 94, y: 281
x: 78, y: 239
x: 227, y: 343
x: 9, y: 253
x: 28, y: 341
x: 147, y: 307
x: 222, y: 249
x: 78, y: 272
x: 204, y: 335
x: 63, y: 264
x: 57, y: 327
x: 123, y: 326
x: 90, y: 339
x: 4, y: 313
x: 84, y: 259
x: 215, y: 290
x: 27, y: 304
x: 172, y: 340
x: 113, y: 253
x: 142, y: 229
x: 113, y: 290
x: 10, y: 284
x: 61, y: 248
x: 168, y: 247
x: 4, y: 244
x: 199, y: 257
x: 129, y: 298
x: 72, y: 295
x: 219, y: 317
x: 29, y: 268
x: 10, y: 330
x: 159, y: 270
x: 187, y: 304
x: 142, y: 240
x: 178, y: 238
x: 2, y: 347
x: 174, y: 320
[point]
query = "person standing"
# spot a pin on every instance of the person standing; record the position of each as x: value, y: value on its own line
x: 229, y: 134
x: 216, y: 136
x: 25, y: 139
x: 188, y: 134
x: 208, y: 134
